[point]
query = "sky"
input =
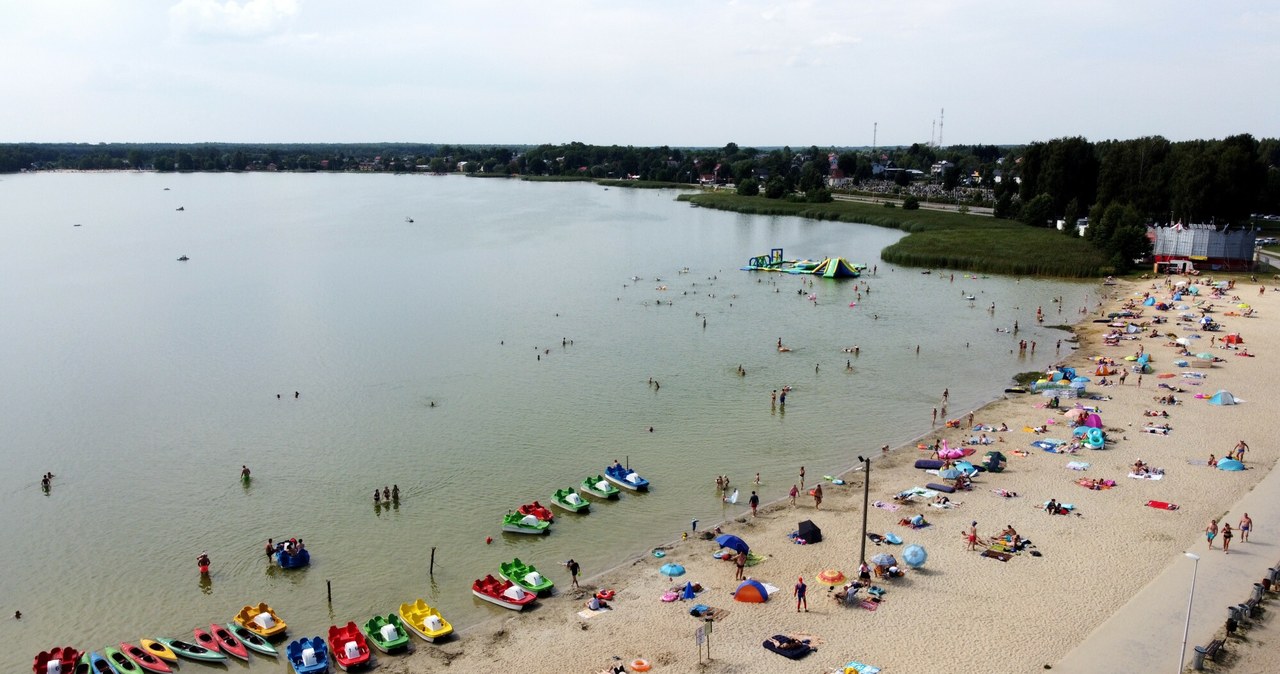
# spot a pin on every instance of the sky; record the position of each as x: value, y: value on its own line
x: 637, y: 72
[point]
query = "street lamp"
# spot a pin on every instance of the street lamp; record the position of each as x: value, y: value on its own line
x: 1190, y: 595
x: 866, y: 500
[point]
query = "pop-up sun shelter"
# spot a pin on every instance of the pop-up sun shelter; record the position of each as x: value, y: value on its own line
x: 752, y: 592
x: 1222, y: 398
x: 810, y: 532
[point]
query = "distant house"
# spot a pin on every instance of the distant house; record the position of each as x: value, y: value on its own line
x: 837, y: 178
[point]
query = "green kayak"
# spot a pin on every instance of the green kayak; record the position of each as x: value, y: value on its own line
x: 599, y: 487
x: 524, y: 575
x: 568, y: 499
x: 524, y: 524
x: 386, y: 633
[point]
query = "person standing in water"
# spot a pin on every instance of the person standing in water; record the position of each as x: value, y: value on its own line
x: 244, y: 472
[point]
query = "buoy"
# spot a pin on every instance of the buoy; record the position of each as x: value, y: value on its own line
x: 488, y: 540
x: 853, y: 304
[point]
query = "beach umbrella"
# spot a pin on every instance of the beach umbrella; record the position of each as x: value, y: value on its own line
x: 831, y: 577
x: 1230, y: 464
x: 1081, y: 380
x: 950, y: 473
x: 914, y: 556
x: 671, y: 570
x: 688, y: 592
x: 1205, y: 356
x: 884, y: 559
x: 733, y: 543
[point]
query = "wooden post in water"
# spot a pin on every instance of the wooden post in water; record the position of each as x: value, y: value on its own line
x: 328, y: 587
x: 433, y: 561
x: 628, y: 462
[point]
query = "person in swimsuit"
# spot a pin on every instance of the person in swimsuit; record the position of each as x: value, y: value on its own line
x: 1226, y: 537
x: 1211, y: 532
x: 1246, y: 525
x: 973, y: 535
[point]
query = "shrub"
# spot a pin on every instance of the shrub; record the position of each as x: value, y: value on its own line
x: 911, y: 204
x: 890, y: 204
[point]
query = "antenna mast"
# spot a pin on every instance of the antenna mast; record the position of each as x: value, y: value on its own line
x: 942, y: 118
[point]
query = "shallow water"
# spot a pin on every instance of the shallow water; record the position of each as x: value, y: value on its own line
x: 144, y: 383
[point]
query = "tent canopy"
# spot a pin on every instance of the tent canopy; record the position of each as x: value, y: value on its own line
x: 751, y: 592
x: 733, y: 543
x: 1222, y: 398
x: 810, y: 532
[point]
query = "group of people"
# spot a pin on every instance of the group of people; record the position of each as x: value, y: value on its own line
x: 290, y: 547
x: 46, y: 481
x: 389, y: 494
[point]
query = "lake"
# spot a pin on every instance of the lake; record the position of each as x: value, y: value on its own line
x: 492, y: 350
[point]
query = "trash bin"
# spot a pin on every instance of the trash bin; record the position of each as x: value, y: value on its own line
x: 1197, y: 660
x: 1274, y: 574
x: 1234, y: 614
x: 1257, y: 591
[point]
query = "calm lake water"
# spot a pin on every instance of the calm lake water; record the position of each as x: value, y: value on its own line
x: 144, y: 383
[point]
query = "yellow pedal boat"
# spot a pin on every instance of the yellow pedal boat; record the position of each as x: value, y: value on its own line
x: 425, y: 621
x: 261, y: 620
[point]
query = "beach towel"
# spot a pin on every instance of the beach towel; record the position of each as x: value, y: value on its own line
x: 587, y: 614
x: 1149, y: 476
x: 1162, y: 505
x: 891, y: 507
x: 891, y: 538
x: 794, y: 653
x: 945, y: 506
x: 1093, y: 484
x: 1078, y: 465
x: 918, y: 491
x: 708, y: 612
x: 1198, y: 462
x: 856, y: 667
x: 769, y: 589
x: 876, y: 538
x: 1002, y: 556
x: 869, y: 605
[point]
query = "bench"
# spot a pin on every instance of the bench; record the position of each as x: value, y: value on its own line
x: 1254, y: 607
x: 1211, y: 651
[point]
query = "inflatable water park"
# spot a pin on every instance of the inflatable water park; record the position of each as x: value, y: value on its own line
x: 830, y: 267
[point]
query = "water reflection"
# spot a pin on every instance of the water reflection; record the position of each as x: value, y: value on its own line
x: 206, y: 583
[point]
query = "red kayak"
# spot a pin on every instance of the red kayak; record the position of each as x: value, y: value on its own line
x: 144, y: 659
x: 65, y: 656
x: 348, y: 646
x: 537, y: 510
x: 503, y: 593
x: 228, y: 641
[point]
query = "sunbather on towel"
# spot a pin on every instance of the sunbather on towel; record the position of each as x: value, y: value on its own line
x: 788, y: 643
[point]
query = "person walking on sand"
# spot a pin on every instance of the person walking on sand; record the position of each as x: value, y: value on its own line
x: 1246, y: 525
x: 795, y: 491
x: 1241, y: 448
x: 1124, y: 374
x: 1226, y: 537
x: 1211, y: 532
x: 574, y: 569
x: 741, y: 561
x: 755, y: 503
x: 817, y: 497
x: 802, y: 477
x: 972, y: 535
x: 799, y: 592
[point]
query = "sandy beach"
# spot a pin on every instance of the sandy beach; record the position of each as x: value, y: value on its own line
x: 961, y: 611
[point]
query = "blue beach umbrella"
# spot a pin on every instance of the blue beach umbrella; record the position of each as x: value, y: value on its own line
x: 733, y: 543
x: 914, y: 556
x: 1230, y: 464
x: 950, y: 473
x: 671, y: 570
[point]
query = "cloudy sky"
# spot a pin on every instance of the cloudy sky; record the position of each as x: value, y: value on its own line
x: 640, y: 72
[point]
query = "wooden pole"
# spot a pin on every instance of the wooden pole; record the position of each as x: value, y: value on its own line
x: 433, y: 561
x: 328, y: 586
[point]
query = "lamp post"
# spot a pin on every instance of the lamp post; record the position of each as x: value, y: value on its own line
x: 1190, y: 595
x: 866, y: 500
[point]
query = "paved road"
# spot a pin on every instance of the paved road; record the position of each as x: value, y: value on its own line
x: 975, y: 210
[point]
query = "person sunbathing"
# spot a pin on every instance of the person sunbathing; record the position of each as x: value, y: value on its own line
x: 1213, y: 461
x: 788, y: 643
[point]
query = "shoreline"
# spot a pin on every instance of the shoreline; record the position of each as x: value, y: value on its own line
x: 956, y: 584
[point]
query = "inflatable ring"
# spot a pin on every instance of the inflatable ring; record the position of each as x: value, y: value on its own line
x: 659, y: 554
x: 640, y: 665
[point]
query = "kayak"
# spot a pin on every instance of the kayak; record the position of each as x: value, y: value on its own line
x: 228, y: 642
x: 568, y: 499
x: 251, y: 640
x: 537, y: 510
x: 424, y: 620
x: 524, y: 524
x: 192, y: 651
x: 348, y: 646
x: 625, y: 478
x: 120, y: 662
x: 386, y: 633
x: 65, y: 656
x: 82, y: 665
x: 525, y: 575
x: 506, y: 595
x: 261, y: 620
x: 158, y: 649
x: 144, y: 659
x: 598, y: 487
x: 100, y: 665
x: 308, y: 655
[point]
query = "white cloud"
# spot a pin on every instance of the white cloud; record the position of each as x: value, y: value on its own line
x: 835, y: 40
x: 229, y: 18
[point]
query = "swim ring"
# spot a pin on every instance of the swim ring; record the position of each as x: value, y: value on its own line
x: 640, y: 665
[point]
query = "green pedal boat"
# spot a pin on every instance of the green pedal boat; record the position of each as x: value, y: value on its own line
x: 524, y: 524
x: 387, y: 633
x: 598, y: 487
x: 524, y: 575
x: 568, y: 499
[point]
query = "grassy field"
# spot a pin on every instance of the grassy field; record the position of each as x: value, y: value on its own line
x: 942, y: 239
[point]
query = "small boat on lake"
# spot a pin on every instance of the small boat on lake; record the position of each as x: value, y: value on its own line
x: 192, y: 651
x: 293, y: 558
x: 524, y: 524
x: 537, y: 510
x: 348, y: 646
x: 120, y: 662
x: 625, y: 478
x: 425, y: 621
x: 98, y: 664
x: 261, y: 620
x: 308, y: 655
x: 386, y: 633
x: 252, y: 641
x: 159, y: 650
x: 83, y: 666
x: 505, y: 594
x: 525, y: 575
x: 568, y: 499
x: 598, y: 487
x: 66, y: 658
x: 228, y: 641
x: 144, y: 659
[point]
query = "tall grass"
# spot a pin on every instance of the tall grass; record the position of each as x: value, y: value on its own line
x: 940, y: 238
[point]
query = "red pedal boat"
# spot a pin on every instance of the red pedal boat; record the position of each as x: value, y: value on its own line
x: 537, y: 510
x: 144, y: 659
x: 503, y: 593
x: 348, y: 646
x: 64, y: 656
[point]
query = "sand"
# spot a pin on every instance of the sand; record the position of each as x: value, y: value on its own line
x: 961, y: 611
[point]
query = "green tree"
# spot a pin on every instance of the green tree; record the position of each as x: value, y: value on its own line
x: 748, y: 187
x: 776, y: 188
x: 820, y: 195
x: 911, y: 204
x: 902, y: 178
x: 1038, y: 211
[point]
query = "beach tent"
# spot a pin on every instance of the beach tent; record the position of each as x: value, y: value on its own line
x: 733, y: 543
x: 1230, y: 464
x: 687, y: 593
x: 751, y: 592
x: 1093, y: 421
x: 1149, y: 301
x: 995, y: 462
x: 810, y: 532
x: 1222, y: 398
